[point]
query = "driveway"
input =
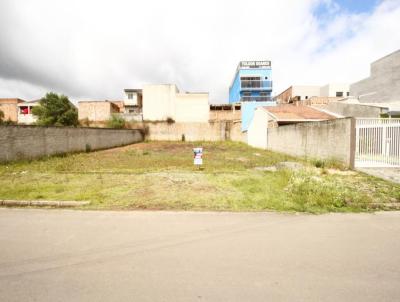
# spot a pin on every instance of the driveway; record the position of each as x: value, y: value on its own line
x: 391, y: 174
x: 65, y: 255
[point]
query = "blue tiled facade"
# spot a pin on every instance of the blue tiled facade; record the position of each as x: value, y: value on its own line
x: 252, y: 82
x: 252, y: 87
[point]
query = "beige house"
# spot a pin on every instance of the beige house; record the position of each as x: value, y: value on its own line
x: 10, y: 109
x: 25, y: 116
x: 163, y: 102
x: 97, y: 110
x: 311, y: 94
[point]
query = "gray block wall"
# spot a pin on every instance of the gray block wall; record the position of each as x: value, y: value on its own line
x: 334, y: 139
x: 28, y: 142
x: 383, y: 85
x: 353, y: 110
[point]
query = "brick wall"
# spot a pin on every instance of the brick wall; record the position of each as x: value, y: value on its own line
x: 26, y: 142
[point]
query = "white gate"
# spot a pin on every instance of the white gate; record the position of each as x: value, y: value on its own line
x: 377, y: 142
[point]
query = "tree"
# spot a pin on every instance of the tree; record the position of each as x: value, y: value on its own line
x: 55, y: 110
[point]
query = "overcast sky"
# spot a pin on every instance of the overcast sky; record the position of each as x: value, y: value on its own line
x: 94, y: 49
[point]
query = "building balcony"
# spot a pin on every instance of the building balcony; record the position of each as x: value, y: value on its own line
x: 256, y: 99
x: 256, y: 85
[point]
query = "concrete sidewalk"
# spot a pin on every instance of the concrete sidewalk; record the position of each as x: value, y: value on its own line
x: 390, y: 174
x: 65, y: 255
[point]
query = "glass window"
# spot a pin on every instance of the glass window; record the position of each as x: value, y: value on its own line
x: 339, y: 93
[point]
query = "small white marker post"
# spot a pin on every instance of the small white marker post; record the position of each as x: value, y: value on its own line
x: 198, y: 157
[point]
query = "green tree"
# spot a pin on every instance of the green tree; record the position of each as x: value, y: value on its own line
x: 55, y: 110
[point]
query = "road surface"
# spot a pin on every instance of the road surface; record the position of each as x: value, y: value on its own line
x: 67, y: 255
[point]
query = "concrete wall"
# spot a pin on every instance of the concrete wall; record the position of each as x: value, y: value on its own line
x: 383, y: 85
x: 192, y: 107
x: 26, y: 142
x: 213, y: 131
x: 353, y: 110
x: 330, y: 90
x: 333, y: 139
x: 257, y: 132
x: 305, y: 91
x: 159, y: 102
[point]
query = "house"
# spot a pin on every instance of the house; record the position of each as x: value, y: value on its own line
x: 252, y: 87
x: 152, y: 103
x: 25, y: 115
x: 10, y: 109
x: 165, y: 102
x: 97, y: 111
x: 252, y: 82
x: 382, y: 86
x: 313, y: 94
x: 280, y: 115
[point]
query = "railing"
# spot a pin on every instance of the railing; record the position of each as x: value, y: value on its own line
x: 377, y: 142
x: 251, y: 84
x: 256, y: 99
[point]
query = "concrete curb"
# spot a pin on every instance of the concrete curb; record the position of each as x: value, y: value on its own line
x: 43, y: 203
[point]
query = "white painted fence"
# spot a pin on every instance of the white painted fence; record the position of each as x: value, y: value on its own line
x: 377, y: 142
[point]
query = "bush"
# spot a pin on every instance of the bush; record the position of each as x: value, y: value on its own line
x: 116, y: 121
x: 56, y: 110
x: 170, y: 120
x: 1, y: 117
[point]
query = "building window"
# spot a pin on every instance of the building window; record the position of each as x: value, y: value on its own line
x: 348, y: 93
x: 130, y: 96
x: 266, y: 78
x: 263, y: 93
x: 246, y: 93
x: 339, y: 93
x: 306, y: 97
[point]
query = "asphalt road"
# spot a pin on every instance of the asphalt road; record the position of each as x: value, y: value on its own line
x: 65, y: 255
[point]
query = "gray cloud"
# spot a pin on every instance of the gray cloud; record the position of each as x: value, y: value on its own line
x: 94, y: 49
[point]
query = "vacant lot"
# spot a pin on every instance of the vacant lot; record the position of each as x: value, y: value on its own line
x: 160, y: 175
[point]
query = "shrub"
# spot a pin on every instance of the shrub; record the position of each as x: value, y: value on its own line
x: 56, y: 110
x: 170, y: 120
x: 1, y: 117
x: 116, y: 121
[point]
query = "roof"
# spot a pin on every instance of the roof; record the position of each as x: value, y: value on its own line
x: 133, y: 90
x: 288, y: 112
x: 11, y: 100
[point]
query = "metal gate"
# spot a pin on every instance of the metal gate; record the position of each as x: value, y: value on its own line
x: 377, y: 142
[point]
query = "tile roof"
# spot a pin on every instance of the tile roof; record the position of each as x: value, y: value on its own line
x: 287, y: 112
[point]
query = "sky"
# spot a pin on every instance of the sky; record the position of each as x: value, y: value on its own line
x: 94, y: 49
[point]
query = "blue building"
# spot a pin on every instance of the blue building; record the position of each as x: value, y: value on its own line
x: 251, y: 86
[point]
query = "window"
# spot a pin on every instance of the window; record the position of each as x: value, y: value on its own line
x: 348, y: 93
x: 263, y: 93
x: 339, y: 93
x: 130, y: 95
x: 306, y: 97
x: 250, y: 78
x: 246, y: 93
x: 266, y: 78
